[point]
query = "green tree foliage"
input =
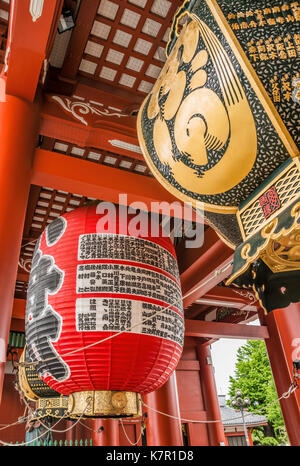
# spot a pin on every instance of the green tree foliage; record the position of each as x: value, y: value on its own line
x: 254, y: 378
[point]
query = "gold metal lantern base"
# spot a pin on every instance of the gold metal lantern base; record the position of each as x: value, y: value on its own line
x: 105, y: 404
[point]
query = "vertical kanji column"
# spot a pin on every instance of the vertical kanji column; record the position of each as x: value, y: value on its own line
x: 18, y: 137
x: 164, y: 430
x: 210, y: 397
x: 283, y: 346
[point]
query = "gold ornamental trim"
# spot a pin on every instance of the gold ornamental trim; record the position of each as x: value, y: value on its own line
x: 286, y: 183
x: 56, y: 407
x: 23, y: 381
x: 269, y: 235
x: 104, y: 404
x: 283, y: 255
x: 52, y: 403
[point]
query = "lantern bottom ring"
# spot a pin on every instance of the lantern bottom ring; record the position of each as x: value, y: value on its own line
x: 105, y: 404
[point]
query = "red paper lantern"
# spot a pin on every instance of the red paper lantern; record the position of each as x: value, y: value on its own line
x: 90, y: 280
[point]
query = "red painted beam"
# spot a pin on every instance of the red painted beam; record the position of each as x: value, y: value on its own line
x: 203, y: 268
x: 204, y: 329
x: 28, y: 45
x: 100, y: 182
x: 17, y: 325
x: 84, y: 123
x: 19, y: 308
x: 84, y: 23
x: 221, y: 296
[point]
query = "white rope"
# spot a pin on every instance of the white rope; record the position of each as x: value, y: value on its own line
x: 128, y: 439
x: 179, y: 418
x: 48, y: 429
x: 217, y: 272
x: 285, y: 395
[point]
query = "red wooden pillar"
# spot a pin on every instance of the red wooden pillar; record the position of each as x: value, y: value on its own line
x: 106, y: 432
x: 210, y: 397
x: 70, y: 433
x: 163, y: 430
x: 18, y: 136
x: 250, y: 437
x: 82, y: 430
x: 283, y: 347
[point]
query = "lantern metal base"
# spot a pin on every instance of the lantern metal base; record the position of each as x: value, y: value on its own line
x: 105, y: 404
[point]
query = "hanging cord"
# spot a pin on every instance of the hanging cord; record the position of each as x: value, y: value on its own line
x: 29, y: 441
x: 5, y: 426
x: 97, y: 431
x: 31, y: 412
x: 216, y: 273
x: 128, y: 439
x: 89, y: 399
x: 101, y: 429
x: 49, y: 429
x: 293, y: 387
x: 178, y: 418
x: 285, y: 395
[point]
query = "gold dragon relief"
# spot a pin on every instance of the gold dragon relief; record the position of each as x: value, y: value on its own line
x: 187, y: 113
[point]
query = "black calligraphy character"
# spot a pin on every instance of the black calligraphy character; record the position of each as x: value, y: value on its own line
x: 55, y: 230
x: 43, y: 324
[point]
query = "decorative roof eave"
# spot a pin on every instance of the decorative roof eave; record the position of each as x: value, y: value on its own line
x: 248, y: 424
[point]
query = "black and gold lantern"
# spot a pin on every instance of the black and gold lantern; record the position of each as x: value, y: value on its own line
x: 220, y: 128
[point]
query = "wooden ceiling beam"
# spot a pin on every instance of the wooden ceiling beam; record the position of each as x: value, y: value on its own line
x: 84, y: 22
x: 87, y: 15
x: 70, y: 174
x: 32, y: 201
x: 193, y: 328
x: 28, y: 45
x: 63, y: 121
x: 204, y: 329
x: 121, y: 98
x: 201, y: 269
x: 222, y: 296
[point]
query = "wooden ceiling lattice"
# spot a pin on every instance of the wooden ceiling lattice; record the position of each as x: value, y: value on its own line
x: 51, y: 204
x: 44, y: 206
x: 103, y: 157
x: 125, y: 45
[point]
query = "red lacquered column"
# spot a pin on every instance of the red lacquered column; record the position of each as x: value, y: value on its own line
x: 283, y: 347
x: 210, y: 397
x: 106, y: 432
x: 162, y: 430
x: 18, y: 137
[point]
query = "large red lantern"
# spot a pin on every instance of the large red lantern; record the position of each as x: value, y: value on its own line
x: 91, y: 279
